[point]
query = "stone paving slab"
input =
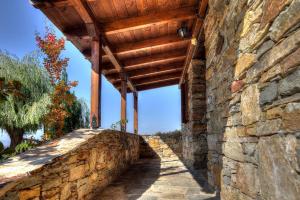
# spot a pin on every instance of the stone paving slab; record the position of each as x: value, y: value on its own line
x: 158, y: 179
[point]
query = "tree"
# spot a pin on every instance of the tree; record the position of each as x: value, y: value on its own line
x: 61, y: 97
x: 24, y: 86
x: 79, y: 116
x: 85, y: 114
x: 78, y: 111
x: 7, y: 88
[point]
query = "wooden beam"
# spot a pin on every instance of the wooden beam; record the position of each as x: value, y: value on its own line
x: 82, y: 11
x: 158, y: 85
x: 142, y: 45
x: 135, y: 114
x: 93, y: 30
x: 123, y: 103
x: 160, y: 73
x: 157, y: 18
x: 159, y: 78
x: 85, y: 14
x: 95, y: 113
x: 149, y: 44
x: 142, y: 62
x: 117, y: 65
x: 49, y: 3
x: 196, y: 34
x: 149, y: 75
x: 78, y: 31
x: 150, y: 72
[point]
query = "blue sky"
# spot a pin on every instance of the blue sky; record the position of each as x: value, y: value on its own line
x: 159, y: 109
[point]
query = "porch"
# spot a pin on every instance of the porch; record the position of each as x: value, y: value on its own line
x: 237, y: 64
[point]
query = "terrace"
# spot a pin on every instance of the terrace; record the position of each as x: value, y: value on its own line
x: 237, y: 66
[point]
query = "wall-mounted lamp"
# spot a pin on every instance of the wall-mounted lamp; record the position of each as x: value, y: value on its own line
x: 183, y: 31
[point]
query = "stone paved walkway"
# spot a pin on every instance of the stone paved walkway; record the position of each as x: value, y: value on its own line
x: 155, y: 179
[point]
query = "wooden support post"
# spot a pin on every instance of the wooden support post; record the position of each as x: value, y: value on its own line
x: 123, y: 102
x: 135, y: 107
x: 183, y: 103
x: 95, y: 116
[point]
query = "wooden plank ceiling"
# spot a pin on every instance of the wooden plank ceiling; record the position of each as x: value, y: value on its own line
x: 141, y: 36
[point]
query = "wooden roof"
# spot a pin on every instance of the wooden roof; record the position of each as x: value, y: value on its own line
x: 140, y: 36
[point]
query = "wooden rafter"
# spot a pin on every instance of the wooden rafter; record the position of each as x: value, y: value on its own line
x: 149, y: 20
x: 152, y: 80
x: 49, y: 3
x: 157, y: 84
x: 196, y: 32
x: 146, y: 45
x: 85, y: 14
x: 160, y: 69
x: 82, y: 11
x: 93, y: 31
x: 135, y: 53
x: 159, y: 78
x: 142, y: 62
x: 164, y: 72
x: 150, y: 43
x: 118, y: 66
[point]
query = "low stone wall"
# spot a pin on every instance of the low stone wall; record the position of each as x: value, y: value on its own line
x: 162, y: 146
x: 73, y: 167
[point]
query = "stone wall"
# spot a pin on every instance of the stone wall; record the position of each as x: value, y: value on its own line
x: 162, y: 146
x: 73, y: 167
x: 194, y: 140
x: 253, y: 100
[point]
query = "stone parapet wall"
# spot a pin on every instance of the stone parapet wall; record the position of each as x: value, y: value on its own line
x: 162, y: 146
x: 73, y: 167
x: 194, y: 140
x: 253, y: 98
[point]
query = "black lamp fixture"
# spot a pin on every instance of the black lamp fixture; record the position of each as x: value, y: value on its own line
x: 183, y: 31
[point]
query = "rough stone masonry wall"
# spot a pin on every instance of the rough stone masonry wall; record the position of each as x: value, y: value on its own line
x: 194, y: 141
x: 74, y: 167
x: 253, y: 85
x: 162, y: 146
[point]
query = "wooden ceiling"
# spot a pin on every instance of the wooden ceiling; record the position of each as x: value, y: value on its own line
x: 140, y: 36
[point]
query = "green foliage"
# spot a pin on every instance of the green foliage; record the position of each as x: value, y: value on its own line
x: 94, y: 122
x: 117, y: 125
x: 85, y: 114
x: 26, y: 112
x: 9, y: 88
x: 78, y: 116
x: 1, y: 147
x: 78, y: 112
x: 176, y: 132
x: 24, y: 146
x: 7, y: 153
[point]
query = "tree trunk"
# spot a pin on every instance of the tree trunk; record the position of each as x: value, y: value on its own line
x: 16, y: 136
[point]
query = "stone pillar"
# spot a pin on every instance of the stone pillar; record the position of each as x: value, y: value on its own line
x: 194, y: 130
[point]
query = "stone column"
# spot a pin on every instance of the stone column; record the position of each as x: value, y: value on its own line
x: 194, y: 130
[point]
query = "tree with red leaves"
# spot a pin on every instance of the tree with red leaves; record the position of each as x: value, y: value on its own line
x: 61, y: 97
